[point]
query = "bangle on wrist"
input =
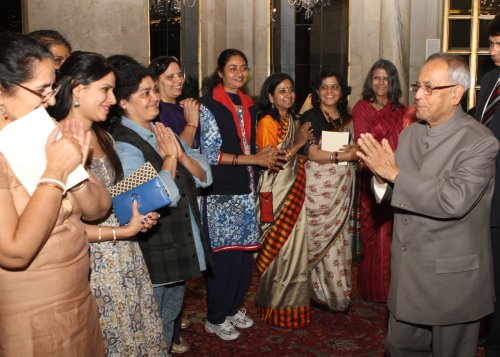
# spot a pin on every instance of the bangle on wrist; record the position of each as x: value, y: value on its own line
x: 334, y: 157
x: 99, y: 237
x: 235, y: 160
x: 78, y: 187
x: 288, y: 155
x: 53, y: 183
x: 114, y: 235
x: 192, y: 126
x: 170, y: 156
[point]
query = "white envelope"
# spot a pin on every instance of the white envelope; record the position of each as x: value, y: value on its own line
x: 23, y: 141
x: 333, y: 141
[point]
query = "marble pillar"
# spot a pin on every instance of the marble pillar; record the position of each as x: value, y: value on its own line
x: 103, y: 26
x: 242, y: 24
x: 395, y: 38
x: 426, y: 23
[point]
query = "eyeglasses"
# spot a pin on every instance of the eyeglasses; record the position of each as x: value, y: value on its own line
x: 44, y: 97
x: 325, y: 86
x: 233, y: 69
x: 428, y: 90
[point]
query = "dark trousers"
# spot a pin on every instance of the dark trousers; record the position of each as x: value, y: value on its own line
x: 227, y: 283
x: 410, y: 340
x: 492, y: 346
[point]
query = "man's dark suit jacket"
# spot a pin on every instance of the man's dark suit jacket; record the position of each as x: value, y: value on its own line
x: 487, y: 83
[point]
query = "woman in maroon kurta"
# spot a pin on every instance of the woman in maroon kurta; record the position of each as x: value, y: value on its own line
x: 381, y: 114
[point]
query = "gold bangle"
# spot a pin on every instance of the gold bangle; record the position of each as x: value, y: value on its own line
x: 192, y: 126
x: 288, y: 155
x: 114, y: 235
x: 78, y: 187
x: 99, y: 237
x: 170, y: 156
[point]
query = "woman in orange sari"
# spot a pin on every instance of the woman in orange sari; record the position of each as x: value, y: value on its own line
x: 283, y: 292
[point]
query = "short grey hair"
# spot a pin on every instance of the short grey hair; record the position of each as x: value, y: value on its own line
x: 458, y: 70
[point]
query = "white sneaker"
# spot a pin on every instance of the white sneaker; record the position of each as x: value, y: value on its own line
x: 225, y: 330
x: 241, y: 319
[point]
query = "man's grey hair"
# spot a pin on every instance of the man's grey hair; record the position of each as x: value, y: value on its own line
x: 458, y: 70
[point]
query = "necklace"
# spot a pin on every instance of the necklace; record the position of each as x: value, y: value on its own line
x: 331, y: 117
x: 337, y: 122
x: 378, y: 104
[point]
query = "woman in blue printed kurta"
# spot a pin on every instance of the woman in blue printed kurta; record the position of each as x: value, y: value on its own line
x: 227, y: 120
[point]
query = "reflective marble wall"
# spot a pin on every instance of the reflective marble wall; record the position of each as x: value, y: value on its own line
x: 242, y: 24
x: 104, y: 26
x: 392, y: 29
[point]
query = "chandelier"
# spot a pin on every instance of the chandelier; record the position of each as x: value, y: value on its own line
x: 488, y: 7
x: 161, y: 8
x: 308, y: 5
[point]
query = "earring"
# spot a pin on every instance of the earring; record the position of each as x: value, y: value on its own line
x: 4, y: 114
x: 76, y: 103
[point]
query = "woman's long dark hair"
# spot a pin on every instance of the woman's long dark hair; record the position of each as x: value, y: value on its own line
x: 268, y: 88
x: 345, y: 89
x: 221, y: 63
x: 394, y: 88
x: 85, y: 68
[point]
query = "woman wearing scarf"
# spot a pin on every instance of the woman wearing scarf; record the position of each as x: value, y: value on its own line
x: 227, y: 121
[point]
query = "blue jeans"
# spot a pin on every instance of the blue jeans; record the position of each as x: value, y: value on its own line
x: 170, y: 298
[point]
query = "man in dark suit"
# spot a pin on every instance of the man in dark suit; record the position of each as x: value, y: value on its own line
x: 488, y: 113
x: 441, y: 181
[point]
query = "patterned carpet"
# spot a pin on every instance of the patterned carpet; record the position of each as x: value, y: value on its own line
x: 360, y: 332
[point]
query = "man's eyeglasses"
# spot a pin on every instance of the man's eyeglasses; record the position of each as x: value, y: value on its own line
x: 428, y: 90
x: 44, y: 97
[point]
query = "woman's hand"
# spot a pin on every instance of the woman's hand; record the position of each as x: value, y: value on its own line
x: 267, y: 157
x: 82, y: 136
x: 191, y: 111
x: 348, y: 153
x: 63, y: 155
x: 167, y: 142
x: 140, y: 223
x: 181, y: 154
x: 305, y: 133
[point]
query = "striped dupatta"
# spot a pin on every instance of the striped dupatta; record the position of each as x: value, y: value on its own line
x: 283, y: 294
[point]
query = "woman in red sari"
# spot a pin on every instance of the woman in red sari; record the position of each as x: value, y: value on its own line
x: 381, y: 114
